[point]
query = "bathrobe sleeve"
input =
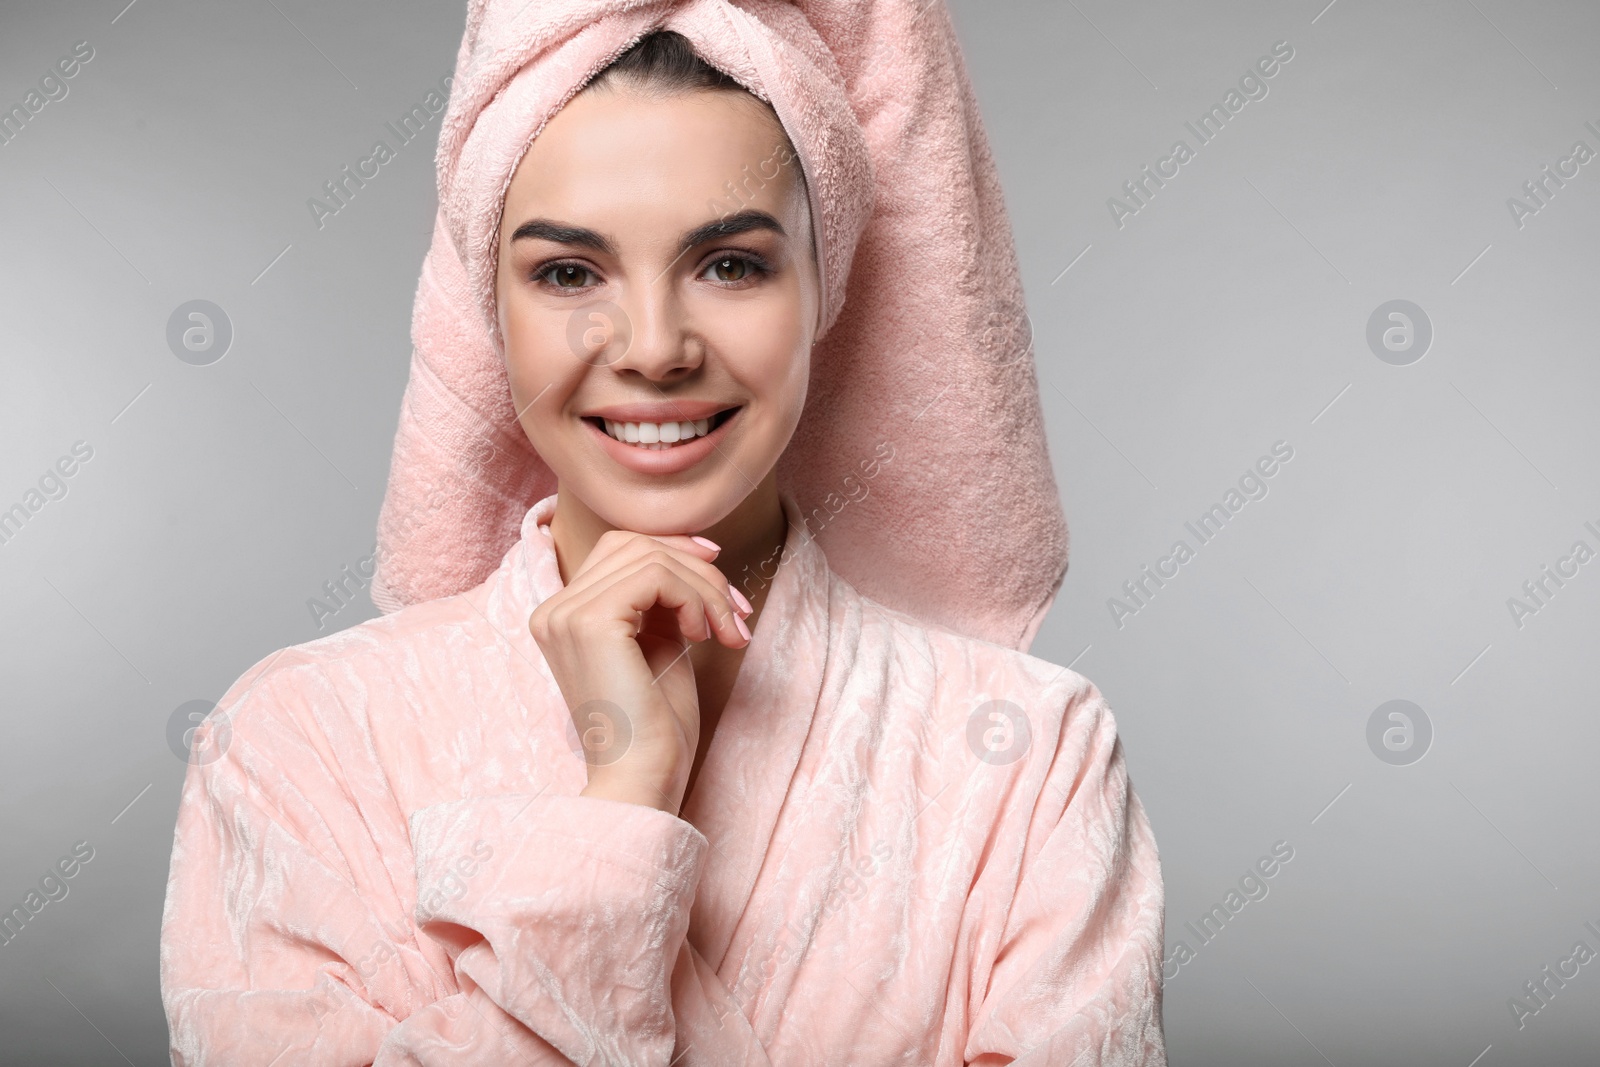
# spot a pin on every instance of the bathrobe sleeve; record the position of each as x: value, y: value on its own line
x: 579, y: 926
x: 1075, y: 974
x: 543, y: 929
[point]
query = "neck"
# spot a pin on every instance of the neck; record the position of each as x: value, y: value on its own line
x: 751, y: 536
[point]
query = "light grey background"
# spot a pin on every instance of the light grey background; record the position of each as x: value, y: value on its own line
x: 1228, y: 314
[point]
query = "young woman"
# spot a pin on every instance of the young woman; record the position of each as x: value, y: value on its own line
x: 605, y: 806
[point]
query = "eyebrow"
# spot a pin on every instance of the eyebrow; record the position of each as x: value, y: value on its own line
x: 581, y: 237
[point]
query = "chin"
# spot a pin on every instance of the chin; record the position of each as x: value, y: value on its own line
x: 663, y: 510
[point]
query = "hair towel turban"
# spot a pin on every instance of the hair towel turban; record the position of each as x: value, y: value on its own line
x: 925, y: 351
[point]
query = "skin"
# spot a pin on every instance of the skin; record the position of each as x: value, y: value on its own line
x: 731, y: 320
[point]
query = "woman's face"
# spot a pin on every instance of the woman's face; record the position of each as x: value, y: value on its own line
x: 657, y: 283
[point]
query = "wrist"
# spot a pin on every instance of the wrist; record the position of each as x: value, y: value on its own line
x: 631, y: 791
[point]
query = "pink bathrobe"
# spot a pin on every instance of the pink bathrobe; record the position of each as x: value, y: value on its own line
x: 389, y: 862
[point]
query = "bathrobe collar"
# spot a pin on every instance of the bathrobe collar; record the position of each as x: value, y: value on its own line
x: 750, y: 766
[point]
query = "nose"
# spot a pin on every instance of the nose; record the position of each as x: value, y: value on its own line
x: 660, y: 346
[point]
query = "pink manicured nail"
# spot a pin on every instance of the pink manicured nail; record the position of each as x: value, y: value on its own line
x: 738, y: 598
x: 707, y: 542
x: 743, y: 629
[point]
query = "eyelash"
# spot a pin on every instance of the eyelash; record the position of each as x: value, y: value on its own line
x: 758, y: 268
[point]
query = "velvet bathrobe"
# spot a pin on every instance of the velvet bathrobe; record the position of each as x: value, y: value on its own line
x: 905, y: 846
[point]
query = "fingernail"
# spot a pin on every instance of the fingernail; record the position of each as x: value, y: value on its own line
x: 707, y: 542
x: 744, y: 630
x: 738, y: 598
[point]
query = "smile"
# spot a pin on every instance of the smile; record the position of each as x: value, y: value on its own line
x: 663, y: 448
x: 658, y: 436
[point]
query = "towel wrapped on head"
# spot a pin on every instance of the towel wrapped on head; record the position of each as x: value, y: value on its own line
x: 923, y: 373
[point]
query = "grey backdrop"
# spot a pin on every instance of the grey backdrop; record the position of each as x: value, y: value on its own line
x: 1177, y: 344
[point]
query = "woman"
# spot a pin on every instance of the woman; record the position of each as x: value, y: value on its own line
x: 600, y: 805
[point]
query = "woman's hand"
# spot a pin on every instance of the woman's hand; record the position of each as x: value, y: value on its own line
x: 617, y: 641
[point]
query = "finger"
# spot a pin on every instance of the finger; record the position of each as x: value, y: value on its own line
x: 618, y: 601
x: 713, y: 591
x: 657, y: 584
x: 627, y: 544
x: 722, y: 606
x: 701, y: 607
x: 620, y: 548
x: 643, y: 546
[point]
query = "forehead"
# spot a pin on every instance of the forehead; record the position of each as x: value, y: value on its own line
x: 621, y: 149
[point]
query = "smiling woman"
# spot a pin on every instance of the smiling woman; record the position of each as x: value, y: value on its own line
x: 720, y: 312
x: 804, y: 826
x: 673, y: 414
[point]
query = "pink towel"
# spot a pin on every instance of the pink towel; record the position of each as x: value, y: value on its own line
x: 926, y: 356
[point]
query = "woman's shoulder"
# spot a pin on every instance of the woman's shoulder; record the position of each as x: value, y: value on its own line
x: 390, y: 634
x: 349, y: 664
x: 1017, y: 734
x: 955, y: 669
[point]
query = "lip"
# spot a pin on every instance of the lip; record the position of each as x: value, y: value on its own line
x: 659, y: 411
x: 672, y: 460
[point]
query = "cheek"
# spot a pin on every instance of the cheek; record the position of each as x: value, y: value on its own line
x: 527, y: 359
x: 535, y: 346
x: 768, y: 350
x: 537, y: 362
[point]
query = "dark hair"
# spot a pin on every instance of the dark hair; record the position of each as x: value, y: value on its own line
x: 664, y: 62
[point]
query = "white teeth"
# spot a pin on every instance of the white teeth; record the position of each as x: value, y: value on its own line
x: 657, y: 434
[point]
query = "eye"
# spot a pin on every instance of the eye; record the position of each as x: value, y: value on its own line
x: 733, y: 269
x: 564, y: 275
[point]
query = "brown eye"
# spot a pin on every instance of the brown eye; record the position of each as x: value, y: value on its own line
x: 738, y: 268
x: 567, y: 276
